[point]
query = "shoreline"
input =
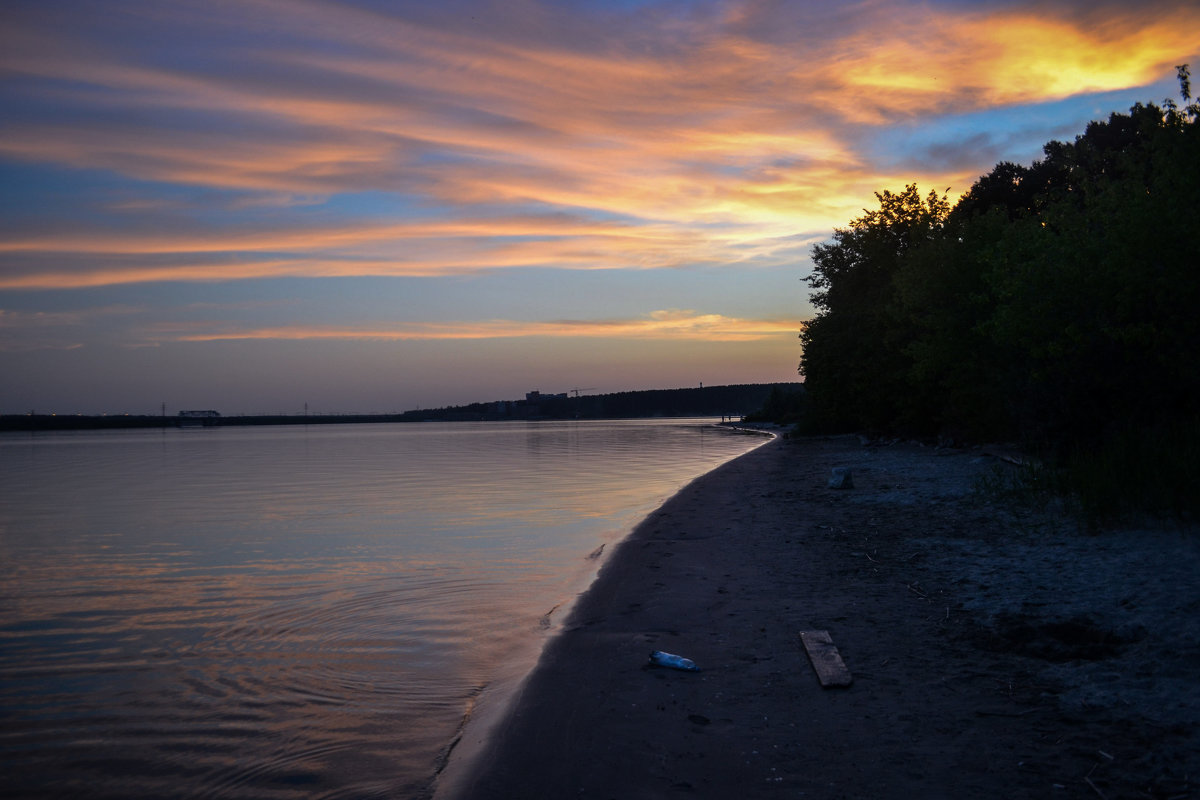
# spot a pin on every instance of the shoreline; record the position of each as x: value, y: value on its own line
x: 996, y: 651
x: 496, y: 702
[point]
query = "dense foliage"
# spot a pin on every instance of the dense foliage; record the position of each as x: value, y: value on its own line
x: 785, y: 405
x: 1054, y: 304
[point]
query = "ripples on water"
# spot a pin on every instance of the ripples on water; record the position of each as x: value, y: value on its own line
x: 298, y: 612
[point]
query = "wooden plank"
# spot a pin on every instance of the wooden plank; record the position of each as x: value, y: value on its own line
x: 830, y: 669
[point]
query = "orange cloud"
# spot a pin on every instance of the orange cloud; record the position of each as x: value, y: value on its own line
x: 665, y: 324
x: 313, y: 237
x: 109, y: 257
x: 931, y: 63
x: 713, y: 145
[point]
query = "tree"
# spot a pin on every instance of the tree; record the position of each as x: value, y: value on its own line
x: 957, y: 376
x: 1095, y: 293
x: 1055, y: 303
x: 853, y: 361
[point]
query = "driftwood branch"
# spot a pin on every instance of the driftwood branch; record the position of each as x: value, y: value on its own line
x: 1095, y: 788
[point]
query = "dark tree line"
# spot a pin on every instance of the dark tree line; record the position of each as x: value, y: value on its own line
x: 1056, y: 304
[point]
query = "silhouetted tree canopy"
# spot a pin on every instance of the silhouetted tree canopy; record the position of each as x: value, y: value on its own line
x: 1055, y: 303
x: 854, y: 346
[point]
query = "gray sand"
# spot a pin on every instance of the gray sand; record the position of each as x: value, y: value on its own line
x: 997, y: 651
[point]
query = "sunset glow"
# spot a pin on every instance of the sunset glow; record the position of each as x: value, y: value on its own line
x: 668, y: 324
x: 377, y: 178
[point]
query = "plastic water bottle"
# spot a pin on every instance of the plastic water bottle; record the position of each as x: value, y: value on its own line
x: 673, y: 661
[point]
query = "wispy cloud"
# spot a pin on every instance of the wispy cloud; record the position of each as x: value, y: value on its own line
x: 89, y: 258
x: 708, y: 135
x: 29, y: 331
x: 534, y: 172
x: 678, y: 324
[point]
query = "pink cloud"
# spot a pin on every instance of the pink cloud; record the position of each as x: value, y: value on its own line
x: 717, y: 141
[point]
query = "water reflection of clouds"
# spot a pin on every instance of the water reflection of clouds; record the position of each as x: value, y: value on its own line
x: 257, y: 600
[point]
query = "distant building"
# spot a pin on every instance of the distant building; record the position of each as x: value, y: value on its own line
x: 195, y: 419
x: 536, y: 397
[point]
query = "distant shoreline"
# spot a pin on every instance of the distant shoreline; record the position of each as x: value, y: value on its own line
x: 54, y: 422
x: 733, y: 401
x: 63, y: 422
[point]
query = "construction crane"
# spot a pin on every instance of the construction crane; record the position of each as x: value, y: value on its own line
x: 577, y: 390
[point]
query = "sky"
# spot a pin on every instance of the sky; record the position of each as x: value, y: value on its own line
x: 263, y: 206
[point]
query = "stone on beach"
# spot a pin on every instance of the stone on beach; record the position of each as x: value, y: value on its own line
x: 841, y: 478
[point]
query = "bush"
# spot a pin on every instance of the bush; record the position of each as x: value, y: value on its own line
x: 783, y: 407
x: 1139, y: 473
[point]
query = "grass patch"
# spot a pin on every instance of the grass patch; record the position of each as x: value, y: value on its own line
x: 1135, y: 476
x: 1031, y: 484
x: 1138, y: 474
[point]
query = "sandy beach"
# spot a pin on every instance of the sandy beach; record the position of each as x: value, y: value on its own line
x: 996, y: 650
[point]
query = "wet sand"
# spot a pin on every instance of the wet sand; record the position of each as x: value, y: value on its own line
x: 996, y: 650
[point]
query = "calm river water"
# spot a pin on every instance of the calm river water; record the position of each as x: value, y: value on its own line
x: 298, y: 611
